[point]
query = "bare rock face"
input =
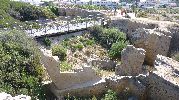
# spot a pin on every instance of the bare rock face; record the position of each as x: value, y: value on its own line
x: 131, y: 61
x: 152, y: 41
x: 164, y: 80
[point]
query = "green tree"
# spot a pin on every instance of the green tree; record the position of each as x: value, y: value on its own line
x: 20, y: 68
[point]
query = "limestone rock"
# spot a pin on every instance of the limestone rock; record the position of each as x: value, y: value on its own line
x: 104, y: 64
x: 131, y: 61
x: 127, y: 85
x: 152, y: 41
x: 164, y: 81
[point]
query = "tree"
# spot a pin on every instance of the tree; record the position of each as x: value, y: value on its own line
x: 20, y: 67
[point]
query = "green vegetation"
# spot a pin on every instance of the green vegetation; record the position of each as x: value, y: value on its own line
x: 65, y: 66
x: 111, y: 39
x: 110, y: 95
x: 60, y: 51
x: 142, y: 14
x: 115, y: 51
x: 77, y: 43
x: 14, y: 12
x: 20, y: 68
x: 47, y: 41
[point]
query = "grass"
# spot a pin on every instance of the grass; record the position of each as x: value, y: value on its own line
x: 65, y: 66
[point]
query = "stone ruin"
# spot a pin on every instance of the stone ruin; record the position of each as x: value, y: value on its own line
x: 153, y: 42
x: 150, y: 47
x: 131, y: 61
x: 163, y: 82
x: 167, y: 28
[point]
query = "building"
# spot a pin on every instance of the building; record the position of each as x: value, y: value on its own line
x: 158, y: 3
x: 106, y: 3
x: 34, y: 2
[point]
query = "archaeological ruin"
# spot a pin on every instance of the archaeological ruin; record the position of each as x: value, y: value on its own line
x: 152, y: 42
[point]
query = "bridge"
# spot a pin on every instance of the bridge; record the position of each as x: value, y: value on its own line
x: 51, y: 29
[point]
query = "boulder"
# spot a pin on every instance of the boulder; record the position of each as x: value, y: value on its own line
x: 131, y: 61
x: 154, y: 42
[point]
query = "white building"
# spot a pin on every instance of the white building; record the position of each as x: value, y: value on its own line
x: 157, y: 2
x: 106, y: 3
x: 82, y: 2
x: 33, y: 2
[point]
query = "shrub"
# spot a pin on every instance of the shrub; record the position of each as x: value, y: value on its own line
x: 54, y: 9
x: 115, y: 50
x: 78, y: 46
x: 31, y: 12
x: 47, y: 41
x: 20, y: 67
x: 106, y: 37
x: 110, y: 95
x: 13, y: 11
x: 65, y: 66
x: 142, y: 14
x: 60, y: 51
x: 112, y: 39
x: 88, y: 42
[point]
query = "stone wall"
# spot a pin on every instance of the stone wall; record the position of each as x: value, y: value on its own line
x: 129, y: 26
x: 131, y: 61
x: 174, y: 47
x: 163, y: 83
x: 127, y: 87
x: 70, y: 79
x: 63, y: 80
x: 103, y: 64
x: 51, y: 64
x: 152, y: 41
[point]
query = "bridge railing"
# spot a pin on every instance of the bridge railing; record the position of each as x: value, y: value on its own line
x: 49, y: 27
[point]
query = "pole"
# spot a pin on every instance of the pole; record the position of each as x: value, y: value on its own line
x: 68, y: 25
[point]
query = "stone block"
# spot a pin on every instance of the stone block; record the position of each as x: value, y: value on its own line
x: 131, y: 61
x: 152, y: 41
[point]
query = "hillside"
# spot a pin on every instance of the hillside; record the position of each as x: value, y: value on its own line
x: 13, y: 13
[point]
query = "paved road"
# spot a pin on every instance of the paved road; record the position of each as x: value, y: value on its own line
x: 62, y: 28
